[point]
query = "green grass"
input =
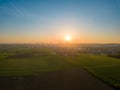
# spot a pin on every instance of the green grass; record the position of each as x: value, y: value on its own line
x: 32, y: 66
x: 34, y: 62
x: 42, y: 60
x: 103, y: 67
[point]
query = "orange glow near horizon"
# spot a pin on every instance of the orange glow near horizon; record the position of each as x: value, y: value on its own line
x: 59, y: 38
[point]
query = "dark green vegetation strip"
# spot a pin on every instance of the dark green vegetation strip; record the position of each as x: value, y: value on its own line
x: 34, y: 62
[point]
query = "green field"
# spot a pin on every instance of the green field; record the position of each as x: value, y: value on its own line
x: 103, y: 67
x: 36, y: 61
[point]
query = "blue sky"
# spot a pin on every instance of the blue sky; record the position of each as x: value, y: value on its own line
x: 87, y: 21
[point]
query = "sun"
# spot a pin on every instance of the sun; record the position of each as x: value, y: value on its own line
x: 68, y: 38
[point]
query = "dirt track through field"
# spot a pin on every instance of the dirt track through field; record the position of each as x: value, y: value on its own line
x: 73, y: 79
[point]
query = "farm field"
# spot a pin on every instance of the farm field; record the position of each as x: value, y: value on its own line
x: 36, y: 61
x: 103, y: 67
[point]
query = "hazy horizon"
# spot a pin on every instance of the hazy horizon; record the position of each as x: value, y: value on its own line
x: 36, y: 21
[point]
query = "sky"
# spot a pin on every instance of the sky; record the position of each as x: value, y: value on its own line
x: 36, y: 21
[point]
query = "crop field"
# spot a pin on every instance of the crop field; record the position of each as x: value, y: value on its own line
x: 103, y: 67
x: 34, y: 61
